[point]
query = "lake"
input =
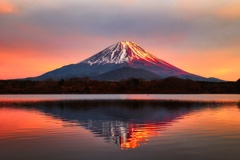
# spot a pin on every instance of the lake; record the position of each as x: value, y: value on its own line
x: 89, y: 127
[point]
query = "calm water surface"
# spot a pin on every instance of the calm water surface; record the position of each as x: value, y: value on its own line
x: 45, y: 128
x: 181, y: 97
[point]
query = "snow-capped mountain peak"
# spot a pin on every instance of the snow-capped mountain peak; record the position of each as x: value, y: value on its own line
x: 121, y: 52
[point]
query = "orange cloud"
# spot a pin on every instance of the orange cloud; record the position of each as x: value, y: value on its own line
x: 6, y: 7
x: 192, y: 9
x: 230, y: 11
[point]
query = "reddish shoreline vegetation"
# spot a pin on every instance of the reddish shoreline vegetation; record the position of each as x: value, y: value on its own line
x: 131, y: 86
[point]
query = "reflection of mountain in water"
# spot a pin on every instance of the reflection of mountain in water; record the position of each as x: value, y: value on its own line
x: 126, y: 124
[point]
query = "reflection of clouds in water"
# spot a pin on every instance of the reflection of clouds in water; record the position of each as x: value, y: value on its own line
x: 238, y: 105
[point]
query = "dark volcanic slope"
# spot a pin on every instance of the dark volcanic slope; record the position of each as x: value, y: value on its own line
x: 126, y: 73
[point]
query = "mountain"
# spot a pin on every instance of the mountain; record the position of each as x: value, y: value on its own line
x: 112, y: 59
x: 126, y: 73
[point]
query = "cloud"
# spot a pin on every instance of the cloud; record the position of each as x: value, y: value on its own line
x: 230, y: 12
x: 225, y: 9
x: 62, y: 28
x: 6, y: 7
x: 165, y: 22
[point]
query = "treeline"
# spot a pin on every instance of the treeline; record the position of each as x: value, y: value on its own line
x: 134, y: 86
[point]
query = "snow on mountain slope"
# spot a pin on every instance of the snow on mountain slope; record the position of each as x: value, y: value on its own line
x: 121, y: 52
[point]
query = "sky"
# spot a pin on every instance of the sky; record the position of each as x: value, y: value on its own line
x: 200, y: 36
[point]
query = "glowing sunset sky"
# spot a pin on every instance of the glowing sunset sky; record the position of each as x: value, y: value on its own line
x: 198, y: 36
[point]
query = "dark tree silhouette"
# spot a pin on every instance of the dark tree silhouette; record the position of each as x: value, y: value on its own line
x: 238, y: 85
x: 86, y: 85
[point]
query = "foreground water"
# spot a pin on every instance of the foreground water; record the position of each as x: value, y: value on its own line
x: 138, y: 127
